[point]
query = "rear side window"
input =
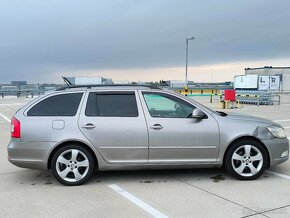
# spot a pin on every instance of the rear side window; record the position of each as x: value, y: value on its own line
x: 57, y: 105
x: 121, y: 104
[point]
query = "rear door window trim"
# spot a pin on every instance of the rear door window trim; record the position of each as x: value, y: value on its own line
x: 97, y: 113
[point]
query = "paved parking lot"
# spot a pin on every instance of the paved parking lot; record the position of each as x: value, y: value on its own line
x: 159, y: 193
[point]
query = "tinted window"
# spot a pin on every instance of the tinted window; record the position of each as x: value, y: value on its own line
x: 57, y: 105
x: 166, y: 106
x: 112, y: 105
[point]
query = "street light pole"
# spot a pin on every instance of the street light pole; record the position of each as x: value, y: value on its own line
x: 186, y: 63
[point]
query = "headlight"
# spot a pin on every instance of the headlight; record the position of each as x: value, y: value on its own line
x: 277, y: 131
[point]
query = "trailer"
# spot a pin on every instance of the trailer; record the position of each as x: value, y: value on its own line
x: 258, y: 83
x: 248, y: 82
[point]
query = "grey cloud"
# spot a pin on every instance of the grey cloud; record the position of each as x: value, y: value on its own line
x: 47, y: 36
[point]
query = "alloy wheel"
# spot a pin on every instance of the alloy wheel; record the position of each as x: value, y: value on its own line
x: 247, y: 160
x: 72, y: 165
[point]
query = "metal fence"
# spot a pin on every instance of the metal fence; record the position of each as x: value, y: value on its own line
x: 21, y: 93
x: 255, y: 97
x: 25, y: 90
x: 258, y: 97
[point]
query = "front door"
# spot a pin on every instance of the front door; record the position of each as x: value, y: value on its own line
x: 114, y: 122
x: 174, y: 136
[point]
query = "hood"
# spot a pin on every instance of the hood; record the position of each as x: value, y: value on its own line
x: 244, y: 117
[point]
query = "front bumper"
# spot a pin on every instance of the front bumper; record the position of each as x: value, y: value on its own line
x: 32, y: 155
x: 276, y: 148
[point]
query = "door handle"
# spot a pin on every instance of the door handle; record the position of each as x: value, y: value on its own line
x: 156, y: 127
x: 89, y: 126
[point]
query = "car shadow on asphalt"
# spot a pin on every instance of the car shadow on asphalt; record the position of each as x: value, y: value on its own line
x: 215, y: 175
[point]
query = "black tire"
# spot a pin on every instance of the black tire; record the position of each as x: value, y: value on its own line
x: 77, y: 172
x: 237, y: 159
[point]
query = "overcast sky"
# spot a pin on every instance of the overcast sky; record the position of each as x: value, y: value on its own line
x: 140, y: 40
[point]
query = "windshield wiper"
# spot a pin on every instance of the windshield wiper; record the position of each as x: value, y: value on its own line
x: 223, y: 114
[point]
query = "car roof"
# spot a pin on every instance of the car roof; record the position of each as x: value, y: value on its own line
x: 106, y: 87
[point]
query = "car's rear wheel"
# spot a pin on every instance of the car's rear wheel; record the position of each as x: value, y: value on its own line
x: 246, y: 160
x: 72, y: 165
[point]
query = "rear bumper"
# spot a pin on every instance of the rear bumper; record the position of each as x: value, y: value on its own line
x: 32, y: 155
x: 276, y: 148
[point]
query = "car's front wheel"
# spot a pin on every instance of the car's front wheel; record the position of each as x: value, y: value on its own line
x: 72, y: 165
x: 246, y: 160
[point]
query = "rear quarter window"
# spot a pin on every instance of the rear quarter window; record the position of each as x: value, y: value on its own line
x: 57, y: 105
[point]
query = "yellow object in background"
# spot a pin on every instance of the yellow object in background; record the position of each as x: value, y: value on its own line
x: 186, y: 90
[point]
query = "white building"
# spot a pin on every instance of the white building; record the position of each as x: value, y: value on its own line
x: 121, y: 82
x: 283, y: 72
x: 88, y: 80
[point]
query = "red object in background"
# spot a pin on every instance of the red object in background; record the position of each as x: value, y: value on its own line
x: 230, y: 95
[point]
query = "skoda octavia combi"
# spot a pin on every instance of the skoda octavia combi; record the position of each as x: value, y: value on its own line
x: 77, y: 130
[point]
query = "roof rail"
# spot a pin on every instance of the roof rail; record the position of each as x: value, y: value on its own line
x: 107, y: 85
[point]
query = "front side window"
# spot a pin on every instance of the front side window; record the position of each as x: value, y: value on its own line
x: 57, y: 105
x: 167, y: 106
x: 112, y: 104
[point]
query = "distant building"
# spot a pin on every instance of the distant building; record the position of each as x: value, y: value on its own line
x: 178, y: 83
x: 121, y: 82
x: 282, y: 72
x: 141, y: 83
x: 107, y: 81
x: 267, y: 71
x: 88, y: 80
x: 18, y: 83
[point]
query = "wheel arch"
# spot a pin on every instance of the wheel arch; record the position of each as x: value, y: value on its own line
x: 84, y: 145
x: 242, y: 138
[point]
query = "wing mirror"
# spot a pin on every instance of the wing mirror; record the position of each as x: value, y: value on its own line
x: 198, y: 114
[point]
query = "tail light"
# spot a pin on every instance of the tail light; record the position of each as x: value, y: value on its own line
x: 15, y: 128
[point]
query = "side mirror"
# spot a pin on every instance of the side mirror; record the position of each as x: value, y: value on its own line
x: 198, y: 114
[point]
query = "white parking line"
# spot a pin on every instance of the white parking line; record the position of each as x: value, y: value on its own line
x: 138, y: 202
x: 6, y: 118
x: 278, y: 174
x: 281, y: 120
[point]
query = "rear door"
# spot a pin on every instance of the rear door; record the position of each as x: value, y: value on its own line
x: 114, y: 122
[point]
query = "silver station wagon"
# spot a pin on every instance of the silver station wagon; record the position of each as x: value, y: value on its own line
x: 77, y: 130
